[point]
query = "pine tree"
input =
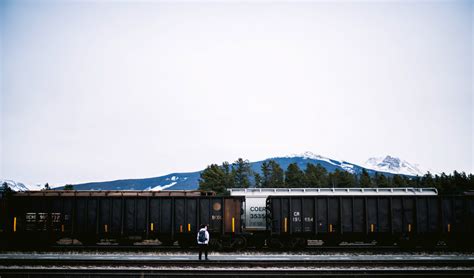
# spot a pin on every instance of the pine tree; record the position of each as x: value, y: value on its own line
x: 334, y: 179
x: 213, y: 178
x: 46, y: 187
x: 228, y: 175
x: 294, y: 177
x: 346, y: 179
x: 381, y: 180
x: 398, y: 181
x: 315, y: 176
x: 427, y: 180
x: 241, y: 172
x: 277, y: 177
x: 266, y: 174
x: 364, y: 179
x: 6, y: 189
x: 258, y: 180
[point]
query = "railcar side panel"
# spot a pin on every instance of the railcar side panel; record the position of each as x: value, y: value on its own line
x: 359, y: 223
x: 372, y: 212
x: 397, y: 215
x: 448, y: 225
x: 166, y: 213
x: 205, y: 210
x: 129, y: 215
x: 216, y: 220
x: 179, y: 215
x: 155, y: 216
x: 470, y: 218
x: 383, y: 214
x: 192, y: 224
x: 322, y: 211
x: 140, y: 216
x: 433, y: 215
x: 334, y: 215
x: 308, y: 216
x: 408, y: 214
x: 274, y: 215
x: 347, y: 216
x: 105, y: 213
x: 92, y: 207
x: 295, y: 215
x: 459, y: 215
x: 422, y: 215
x: 232, y: 215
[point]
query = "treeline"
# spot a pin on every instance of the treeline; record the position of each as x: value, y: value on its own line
x: 239, y: 174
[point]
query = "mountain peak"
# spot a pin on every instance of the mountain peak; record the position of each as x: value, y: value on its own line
x: 394, y: 165
x: 309, y: 155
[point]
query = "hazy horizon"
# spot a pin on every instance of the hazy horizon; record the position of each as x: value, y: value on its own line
x: 105, y: 90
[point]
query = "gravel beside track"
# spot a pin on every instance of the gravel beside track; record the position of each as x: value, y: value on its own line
x: 169, y: 265
x: 226, y: 272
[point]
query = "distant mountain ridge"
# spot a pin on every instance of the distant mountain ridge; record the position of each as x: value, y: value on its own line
x: 190, y: 181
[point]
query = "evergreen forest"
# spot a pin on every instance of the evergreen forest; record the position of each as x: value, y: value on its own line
x: 239, y: 174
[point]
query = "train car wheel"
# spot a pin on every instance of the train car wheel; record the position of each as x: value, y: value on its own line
x: 216, y: 244
x: 303, y: 243
x: 239, y: 243
x: 275, y: 243
x: 258, y: 243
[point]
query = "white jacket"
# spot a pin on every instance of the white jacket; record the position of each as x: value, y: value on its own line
x: 207, y: 237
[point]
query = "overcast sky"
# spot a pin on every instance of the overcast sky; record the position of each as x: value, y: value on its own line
x: 103, y: 90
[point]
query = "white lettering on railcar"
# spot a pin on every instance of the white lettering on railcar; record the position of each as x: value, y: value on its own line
x: 216, y: 217
x: 296, y: 216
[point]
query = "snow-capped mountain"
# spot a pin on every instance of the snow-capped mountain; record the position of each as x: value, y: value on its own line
x: 394, y: 165
x: 18, y: 186
x: 349, y: 167
x: 190, y: 181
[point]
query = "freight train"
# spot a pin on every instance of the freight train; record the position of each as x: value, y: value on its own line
x: 279, y: 218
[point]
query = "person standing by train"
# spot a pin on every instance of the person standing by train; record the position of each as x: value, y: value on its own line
x: 203, y: 241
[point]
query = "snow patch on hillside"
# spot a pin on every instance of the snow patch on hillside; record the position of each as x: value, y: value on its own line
x: 343, y: 164
x: 173, y: 181
x: 163, y: 187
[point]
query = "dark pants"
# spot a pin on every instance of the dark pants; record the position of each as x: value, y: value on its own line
x: 202, y: 248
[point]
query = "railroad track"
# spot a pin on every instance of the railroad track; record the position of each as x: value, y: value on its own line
x: 105, y: 247
x: 172, y: 265
x: 236, y: 273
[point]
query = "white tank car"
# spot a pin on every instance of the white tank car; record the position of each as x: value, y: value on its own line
x: 255, y: 198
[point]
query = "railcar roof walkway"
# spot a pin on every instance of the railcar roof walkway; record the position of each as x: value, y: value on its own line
x: 396, y: 191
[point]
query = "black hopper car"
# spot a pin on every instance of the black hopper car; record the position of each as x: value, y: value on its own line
x: 404, y: 216
x: 278, y: 218
x: 121, y: 217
